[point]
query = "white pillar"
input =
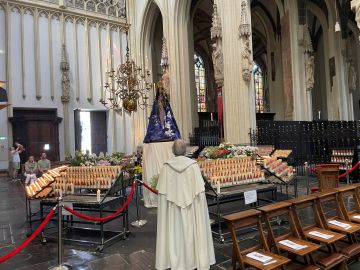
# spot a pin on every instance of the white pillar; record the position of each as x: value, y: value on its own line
x: 176, y: 25
x: 239, y: 112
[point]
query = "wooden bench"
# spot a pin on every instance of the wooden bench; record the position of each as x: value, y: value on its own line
x: 332, y: 196
x: 308, y: 203
x: 276, y: 210
x: 243, y: 220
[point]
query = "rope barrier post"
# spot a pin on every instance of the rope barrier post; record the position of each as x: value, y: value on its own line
x: 306, y: 165
x: 60, y: 265
x: 138, y: 222
x: 346, y: 169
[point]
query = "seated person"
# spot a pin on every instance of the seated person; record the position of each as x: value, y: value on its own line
x: 31, y: 168
x: 44, y: 164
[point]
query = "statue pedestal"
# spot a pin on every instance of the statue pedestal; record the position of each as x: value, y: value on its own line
x: 154, y: 156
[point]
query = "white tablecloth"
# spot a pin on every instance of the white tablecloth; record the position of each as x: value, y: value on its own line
x: 154, y: 156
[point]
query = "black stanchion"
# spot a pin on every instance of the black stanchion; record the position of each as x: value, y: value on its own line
x: 306, y: 166
x: 138, y: 222
x: 60, y: 265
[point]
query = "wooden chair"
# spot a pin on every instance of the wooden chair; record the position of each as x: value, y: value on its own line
x: 350, y: 251
x: 277, y: 210
x: 243, y: 220
x: 307, y: 230
x: 344, y: 193
x: 332, y: 196
x: 352, y: 215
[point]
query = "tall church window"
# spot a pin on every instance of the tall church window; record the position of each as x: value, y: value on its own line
x: 259, y: 88
x: 200, y: 81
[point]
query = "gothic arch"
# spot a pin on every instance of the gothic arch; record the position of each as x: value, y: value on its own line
x: 280, y: 6
x: 151, y: 15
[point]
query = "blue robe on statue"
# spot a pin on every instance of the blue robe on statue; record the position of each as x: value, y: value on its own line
x: 162, y: 124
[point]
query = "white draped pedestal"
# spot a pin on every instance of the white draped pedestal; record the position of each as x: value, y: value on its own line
x: 154, y: 156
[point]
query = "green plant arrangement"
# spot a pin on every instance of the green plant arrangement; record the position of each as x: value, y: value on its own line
x: 154, y: 181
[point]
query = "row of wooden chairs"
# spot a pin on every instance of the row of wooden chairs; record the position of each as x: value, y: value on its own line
x: 328, y: 222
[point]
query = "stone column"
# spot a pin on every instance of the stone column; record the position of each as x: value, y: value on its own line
x: 65, y: 96
x: 239, y: 112
x: 177, y: 25
x: 287, y: 66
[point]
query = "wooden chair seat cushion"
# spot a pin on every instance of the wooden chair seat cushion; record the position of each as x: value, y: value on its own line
x: 336, y: 236
x: 326, y: 193
x: 332, y: 260
x: 354, y: 227
x: 353, y: 217
x: 310, y: 267
x: 241, y: 215
x: 278, y: 261
x: 302, y: 199
x: 346, y: 188
x: 274, y: 206
x: 311, y: 247
x: 352, y: 250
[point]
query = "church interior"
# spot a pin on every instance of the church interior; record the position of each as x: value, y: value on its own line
x: 179, y: 134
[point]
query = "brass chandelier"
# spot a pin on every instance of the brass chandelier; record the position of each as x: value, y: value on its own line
x: 128, y: 84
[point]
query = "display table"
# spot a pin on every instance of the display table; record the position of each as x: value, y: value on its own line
x: 89, y: 204
x: 154, y: 156
x: 230, y: 195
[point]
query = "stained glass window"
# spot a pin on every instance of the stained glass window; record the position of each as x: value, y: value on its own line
x: 200, y: 81
x: 259, y: 88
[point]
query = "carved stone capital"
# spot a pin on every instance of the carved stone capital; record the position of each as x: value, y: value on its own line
x: 65, y: 99
x: 355, y: 6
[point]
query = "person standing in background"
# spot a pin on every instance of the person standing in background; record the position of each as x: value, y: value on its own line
x: 15, y: 162
x: 21, y: 149
x: 44, y: 164
x: 31, y: 168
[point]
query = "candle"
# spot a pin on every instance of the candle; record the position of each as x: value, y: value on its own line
x: 212, y: 117
x: 98, y: 195
x: 319, y: 112
x: 218, y: 187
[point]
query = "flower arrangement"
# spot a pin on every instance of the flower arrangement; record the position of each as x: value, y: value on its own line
x: 138, y: 169
x: 103, y: 162
x: 227, y: 150
x: 87, y: 159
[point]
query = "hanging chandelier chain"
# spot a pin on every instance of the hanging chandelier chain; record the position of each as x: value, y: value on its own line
x: 127, y: 84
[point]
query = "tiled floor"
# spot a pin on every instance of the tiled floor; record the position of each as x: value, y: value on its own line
x: 137, y: 252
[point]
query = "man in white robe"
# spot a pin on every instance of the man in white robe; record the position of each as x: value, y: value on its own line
x: 184, y: 239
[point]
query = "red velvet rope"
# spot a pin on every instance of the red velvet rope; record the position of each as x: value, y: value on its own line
x: 149, y: 188
x: 28, y: 240
x: 75, y: 213
x: 349, y: 171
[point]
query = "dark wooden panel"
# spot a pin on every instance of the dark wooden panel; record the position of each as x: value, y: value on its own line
x: 34, y: 129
